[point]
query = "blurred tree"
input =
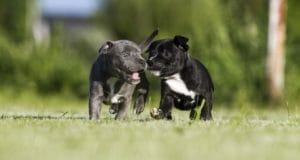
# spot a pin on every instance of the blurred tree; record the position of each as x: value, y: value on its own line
x: 292, y: 77
x: 13, y: 19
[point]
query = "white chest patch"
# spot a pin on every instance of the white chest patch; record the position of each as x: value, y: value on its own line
x: 177, y: 85
x: 111, y: 83
x: 156, y: 73
x: 114, y: 98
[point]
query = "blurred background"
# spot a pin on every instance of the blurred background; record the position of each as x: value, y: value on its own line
x: 47, y: 46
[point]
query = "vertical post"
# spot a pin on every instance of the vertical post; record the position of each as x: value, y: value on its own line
x: 40, y: 30
x: 275, y: 58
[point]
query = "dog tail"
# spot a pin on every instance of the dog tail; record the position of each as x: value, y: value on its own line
x: 148, y: 41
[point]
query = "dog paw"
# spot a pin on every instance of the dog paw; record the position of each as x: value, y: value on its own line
x: 156, y: 113
x: 139, y: 110
x: 113, y: 108
x: 139, y: 106
x: 112, y: 111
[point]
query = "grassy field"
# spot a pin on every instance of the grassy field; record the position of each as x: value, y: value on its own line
x: 50, y: 131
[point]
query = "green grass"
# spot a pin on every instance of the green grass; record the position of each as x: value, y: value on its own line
x: 64, y: 132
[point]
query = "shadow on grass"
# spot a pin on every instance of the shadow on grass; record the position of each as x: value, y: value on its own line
x: 63, y: 116
x: 42, y: 117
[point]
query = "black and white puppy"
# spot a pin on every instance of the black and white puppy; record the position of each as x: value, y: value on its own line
x: 185, y: 81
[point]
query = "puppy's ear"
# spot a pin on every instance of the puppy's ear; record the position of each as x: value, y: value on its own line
x: 144, y: 46
x: 107, y: 45
x: 152, y: 46
x: 181, y: 42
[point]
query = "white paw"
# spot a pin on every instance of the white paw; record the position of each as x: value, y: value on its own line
x: 155, y: 113
x: 116, y: 99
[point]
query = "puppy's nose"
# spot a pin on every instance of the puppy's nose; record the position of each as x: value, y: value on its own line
x: 142, y: 62
x: 149, y: 62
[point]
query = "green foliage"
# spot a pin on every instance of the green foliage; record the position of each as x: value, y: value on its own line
x: 13, y: 19
x: 43, y: 69
x: 292, y: 50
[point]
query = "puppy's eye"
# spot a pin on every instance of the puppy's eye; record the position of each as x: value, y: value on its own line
x: 166, y: 54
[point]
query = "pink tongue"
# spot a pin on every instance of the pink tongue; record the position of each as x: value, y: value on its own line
x: 135, y: 76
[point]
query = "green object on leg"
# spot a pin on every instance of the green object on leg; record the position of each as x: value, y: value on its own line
x: 199, y: 109
x: 193, y: 114
x: 196, y: 114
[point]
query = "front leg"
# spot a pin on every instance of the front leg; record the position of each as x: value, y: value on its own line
x: 166, y: 104
x: 123, y: 99
x: 95, y: 99
x: 142, y: 91
x: 123, y: 108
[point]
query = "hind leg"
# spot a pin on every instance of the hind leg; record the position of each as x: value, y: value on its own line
x: 206, y: 110
x: 142, y: 91
x: 139, y: 104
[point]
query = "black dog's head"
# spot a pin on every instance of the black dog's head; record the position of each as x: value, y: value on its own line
x: 167, y: 56
x: 125, y: 58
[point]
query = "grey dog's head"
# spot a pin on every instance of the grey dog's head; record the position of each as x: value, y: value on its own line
x: 125, y: 57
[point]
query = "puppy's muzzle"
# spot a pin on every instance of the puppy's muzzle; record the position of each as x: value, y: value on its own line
x: 149, y: 63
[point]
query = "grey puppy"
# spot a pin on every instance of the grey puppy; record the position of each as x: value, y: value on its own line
x: 116, y: 75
